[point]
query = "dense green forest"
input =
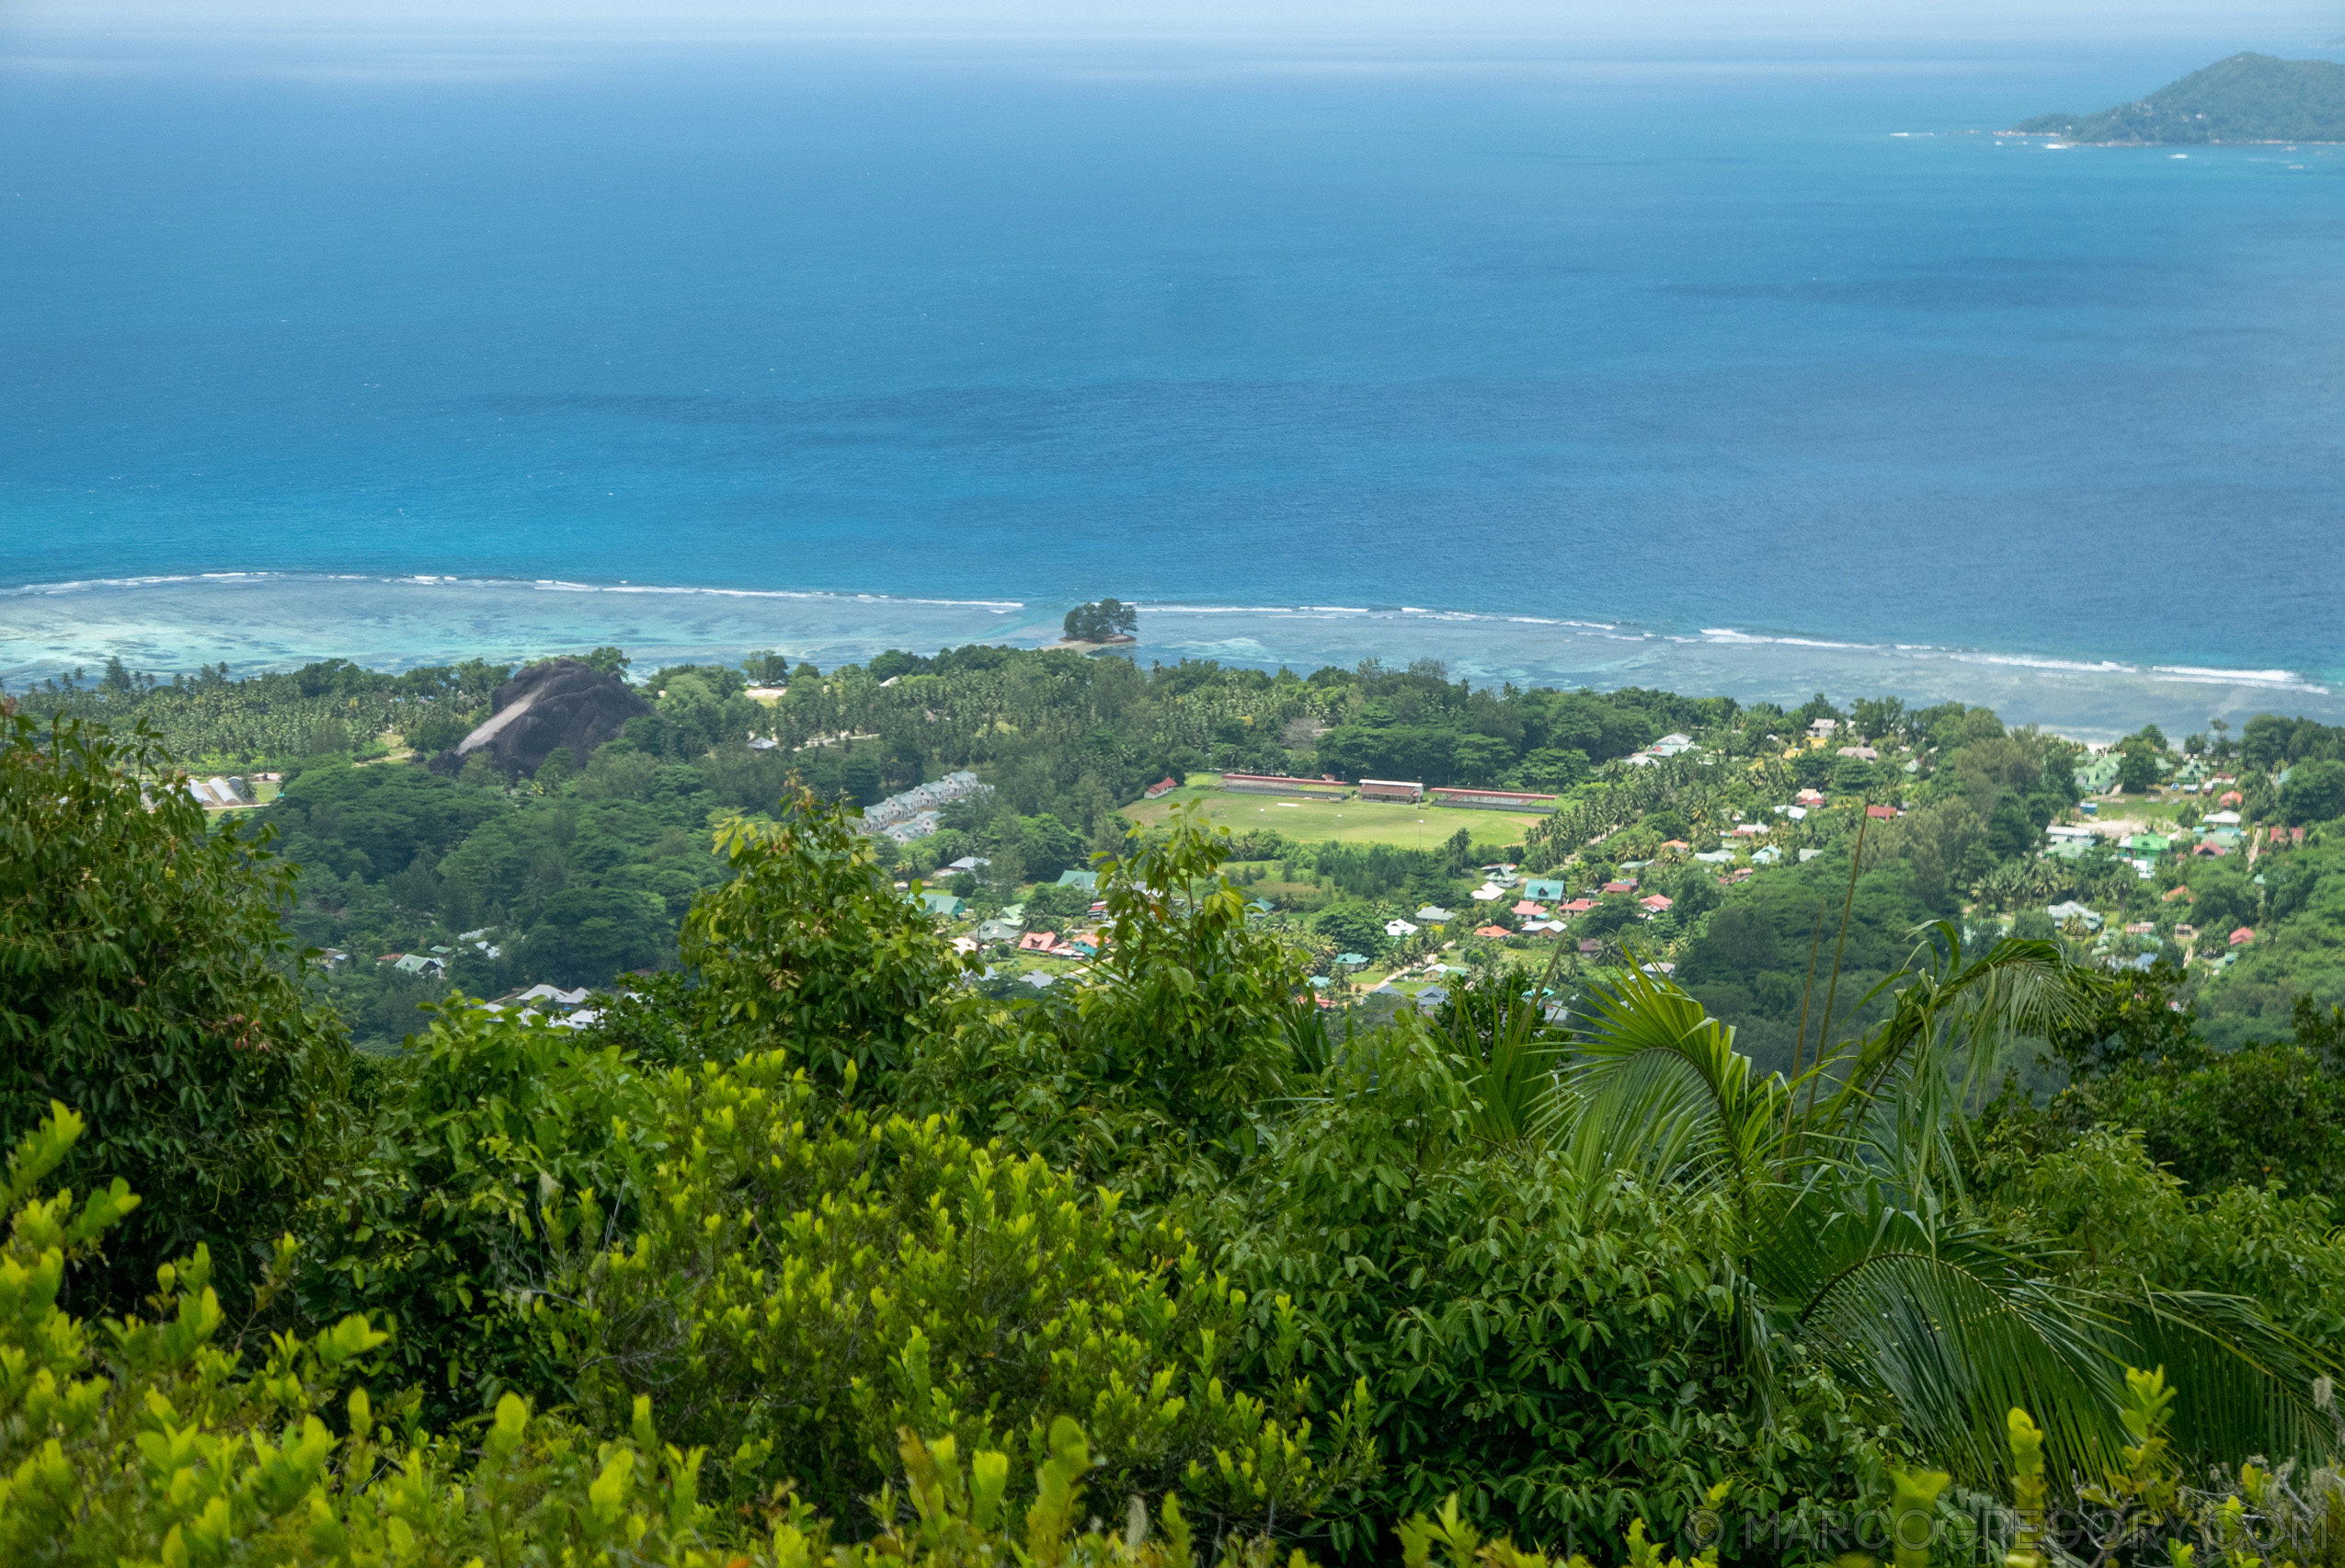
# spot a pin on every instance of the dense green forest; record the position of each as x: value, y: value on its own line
x: 812, y: 1246
x: 2247, y: 97
x: 585, y: 871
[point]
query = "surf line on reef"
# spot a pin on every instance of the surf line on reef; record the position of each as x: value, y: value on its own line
x: 262, y: 620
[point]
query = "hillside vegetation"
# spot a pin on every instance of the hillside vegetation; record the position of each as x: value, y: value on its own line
x: 2248, y: 97
x: 586, y: 872
x: 811, y: 1248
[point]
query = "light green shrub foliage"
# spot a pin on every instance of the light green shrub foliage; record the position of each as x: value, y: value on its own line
x: 150, y: 1444
x: 2144, y: 1507
x: 1458, y: 1540
x: 806, y: 1285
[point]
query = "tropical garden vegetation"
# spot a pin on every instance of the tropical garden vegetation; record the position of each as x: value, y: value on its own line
x: 810, y: 1245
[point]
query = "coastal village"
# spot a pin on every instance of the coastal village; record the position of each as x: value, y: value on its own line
x: 1506, y: 915
x: 1388, y: 886
x: 1526, y: 1079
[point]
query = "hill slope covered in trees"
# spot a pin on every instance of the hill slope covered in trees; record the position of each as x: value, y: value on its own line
x: 812, y: 1243
x: 2248, y: 97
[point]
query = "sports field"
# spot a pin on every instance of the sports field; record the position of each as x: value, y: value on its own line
x: 1346, y: 821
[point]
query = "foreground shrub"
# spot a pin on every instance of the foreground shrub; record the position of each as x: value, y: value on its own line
x: 805, y: 1286
x: 807, y: 944
x: 1149, y: 1073
x: 1566, y: 1351
x: 430, y: 1219
x: 152, y: 1442
x: 144, y: 979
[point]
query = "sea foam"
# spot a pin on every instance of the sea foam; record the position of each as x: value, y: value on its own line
x: 263, y: 620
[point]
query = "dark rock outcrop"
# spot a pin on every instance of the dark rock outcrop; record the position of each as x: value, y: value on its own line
x: 559, y: 703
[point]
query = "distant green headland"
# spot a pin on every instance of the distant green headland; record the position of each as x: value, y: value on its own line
x: 2248, y: 97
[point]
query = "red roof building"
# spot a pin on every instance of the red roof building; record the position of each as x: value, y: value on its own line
x: 1162, y: 786
x: 1657, y: 903
x: 1625, y: 885
x: 2242, y: 936
x: 1881, y: 812
x: 1492, y: 931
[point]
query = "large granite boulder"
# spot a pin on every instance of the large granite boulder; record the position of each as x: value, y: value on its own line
x: 559, y: 703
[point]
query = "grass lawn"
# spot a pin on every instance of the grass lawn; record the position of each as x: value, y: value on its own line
x: 1274, y: 890
x: 1346, y: 821
x: 2158, y: 810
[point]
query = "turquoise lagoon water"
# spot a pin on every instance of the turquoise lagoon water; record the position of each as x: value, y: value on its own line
x: 1752, y: 374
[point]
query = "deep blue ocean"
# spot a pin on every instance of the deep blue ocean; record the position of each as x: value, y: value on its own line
x: 1782, y: 344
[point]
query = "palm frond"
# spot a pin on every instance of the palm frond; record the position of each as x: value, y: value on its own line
x: 2247, y: 1389
x: 1947, y: 1329
x: 1517, y: 1053
x: 1845, y: 1243
x: 1656, y: 1083
x: 1949, y: 1011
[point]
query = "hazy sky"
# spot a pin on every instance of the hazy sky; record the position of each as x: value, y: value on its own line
x: 2274, y: 23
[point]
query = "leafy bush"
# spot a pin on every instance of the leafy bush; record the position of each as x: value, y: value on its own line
x: 145, y: 977
x: 156, y: 1443
x: 431, y: 1218
x: 1192, y: 1007
x: 1562, y: 1352
x: 810, y: 945
x: 2269, y: 1115
x: 805, y: 1286
x: 2114, y: 1215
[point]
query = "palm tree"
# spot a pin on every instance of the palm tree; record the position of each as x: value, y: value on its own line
x: 1853, y: 1232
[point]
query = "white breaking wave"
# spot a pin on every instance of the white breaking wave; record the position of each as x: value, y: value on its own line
x: 537, y: 585
x: 168, y: 619
x: 2029, y: 661
x: 1727, y: 635
x: 2286, y: 680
